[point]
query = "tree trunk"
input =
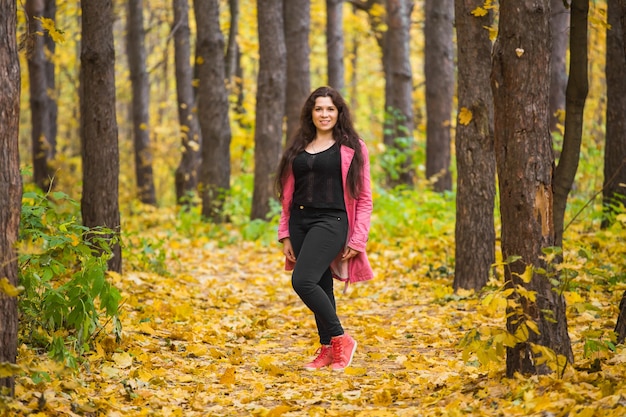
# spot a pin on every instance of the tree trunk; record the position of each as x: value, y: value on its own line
x: 620, y: 326
x: 10, y: 185
x: 559, y: 28
x: 100, y: 153
x: 214, y: 181
x: 270, y: 103
x: 615, y: 150
x: 297, y: 26
x: 186, y: 176
x: 439, y: 73
x: 475, y: 158
x: 393, y: 42
x: 39, y: 99
x: 232, y: 48
x: 576, y: 94
x: 334, y: 43
x: 614, y: 187
x: 399, y: 89
x: 521, y: 88
x: 141, y: 102
x: 50, y: 11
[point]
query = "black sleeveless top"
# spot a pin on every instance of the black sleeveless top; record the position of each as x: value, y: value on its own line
x: 318, y: 179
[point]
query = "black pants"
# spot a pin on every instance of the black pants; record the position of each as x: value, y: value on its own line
x: 317, y: 237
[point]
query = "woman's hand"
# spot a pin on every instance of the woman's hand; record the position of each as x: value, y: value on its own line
x: 288, y: 250
x: 349, y: 253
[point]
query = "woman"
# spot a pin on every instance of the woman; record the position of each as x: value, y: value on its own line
x: 324, y: 186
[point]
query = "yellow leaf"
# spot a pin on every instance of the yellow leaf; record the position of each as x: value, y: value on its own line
x: 194, y: 145
x: 8, y: 289
x: 278, y: 411
x: 228, y: 378
x: 493, y: 32
x: 355, y: 371
x: 465, y: 116
x: 122, y: 360
x: 479, y: 11
x: 145, y: 328
x: 8, y: 370
x: 522, y: 333
x: 527, y: 276
x: 532, y: 326
x: 48, y: 24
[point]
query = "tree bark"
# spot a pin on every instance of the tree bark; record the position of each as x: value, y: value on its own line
x: 232, y: 48
x: 559, y: 25
x: 100, y: 152
x: 10, y: 184
x: 399, y: 89
x: 398, y: 120
x: 475, y: 156
x: 186, y: 176
x: 620, y: 326
x: 614, y: 187
x: 297, y: 28
x: 520, y: 82
x: 334, y: 43
x: 214, y: 181
x: 141, y: 103
x: 270, y: 104
x: 439, y: 73
x: 42, y: 149
x: 50, y: 11
x: 617, y: 145
x: 576, y: 95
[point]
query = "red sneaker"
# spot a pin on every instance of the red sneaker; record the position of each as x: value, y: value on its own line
x: 343, y: 350
x: 324, y: 358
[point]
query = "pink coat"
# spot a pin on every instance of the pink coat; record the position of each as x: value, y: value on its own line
x: 359, y: 212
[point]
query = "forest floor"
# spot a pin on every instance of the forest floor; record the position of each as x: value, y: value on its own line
x: 225, y: 335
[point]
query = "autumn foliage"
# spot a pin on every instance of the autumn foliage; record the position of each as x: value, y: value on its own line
x: 203, y: 320
x: 211, y: 326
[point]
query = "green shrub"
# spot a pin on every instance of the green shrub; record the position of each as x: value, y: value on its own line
x: 64, y: 275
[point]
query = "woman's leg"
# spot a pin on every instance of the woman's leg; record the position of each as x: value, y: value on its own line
x: 326, y: 283
x: 317, y: 237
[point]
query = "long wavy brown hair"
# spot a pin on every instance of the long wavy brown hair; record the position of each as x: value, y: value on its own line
x: 343, y: 133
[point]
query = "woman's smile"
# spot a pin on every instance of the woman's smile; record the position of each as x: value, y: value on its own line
x: 324, y: 114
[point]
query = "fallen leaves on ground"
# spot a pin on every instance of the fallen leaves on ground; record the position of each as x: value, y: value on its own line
x: 226, y: 336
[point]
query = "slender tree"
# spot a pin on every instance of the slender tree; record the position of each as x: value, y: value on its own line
x: 520, y: 82
x: 475, y: 158
x: 232, y: 48
x: 41, y: 128
x: 270, y: 103
x: 100, y: 152
x: 559, y: 25
x: 297, y: 26
x: 49, y: 12
x: 186, y: 176
x: 391, y: 31
x: 575, y: 97
x: 616, y: 143
x: 614, y: 190
x: 214, y: 181
x: 140, y: 82
x: 10, y: 185
x: 334, y: 43
x: 439, y: 73
x: 399, y: 89
x: 234, y: 72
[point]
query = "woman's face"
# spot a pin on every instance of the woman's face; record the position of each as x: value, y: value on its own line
x: 324, y: 114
